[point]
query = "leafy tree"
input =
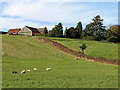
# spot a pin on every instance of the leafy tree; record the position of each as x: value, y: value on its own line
x: 79, y: 28
x: 53, y: 31
x: 83, y: 47
x: 59, y: 30
x: 50, y: 32
x: 116, y: 30
x: 71, y: 33
x: 96, y: 27
x: 65, y: 32
x: 45, y: 31
x: 83, y: 33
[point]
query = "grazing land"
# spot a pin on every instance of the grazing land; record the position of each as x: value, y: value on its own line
x: 94, y: 48
x: 22, y: 53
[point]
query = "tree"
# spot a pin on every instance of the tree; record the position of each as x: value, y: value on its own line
x: 79, y: 29
x: 65, y: 32
x: 116, y: 30
x: 59, y: 30
x: 83, y: 34
x: 96, y: 27
x: 83, y: 47
x: 45, y: 31
x: 113, y: 33
x: 53, y: 31
x: 71, y: 33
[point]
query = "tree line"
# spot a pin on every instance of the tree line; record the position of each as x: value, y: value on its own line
x: 95, y: 30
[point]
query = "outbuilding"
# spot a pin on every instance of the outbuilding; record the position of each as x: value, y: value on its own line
x: 30, y: 31
x: 13, y: 31
x: 41, y: 30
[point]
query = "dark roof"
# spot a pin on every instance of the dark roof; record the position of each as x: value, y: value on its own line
x: 33, y: 29
x: 40, y: 29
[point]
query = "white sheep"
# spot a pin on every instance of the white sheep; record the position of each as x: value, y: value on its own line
x: 48, y: 69
x: 60, y: 54
x: 35, y: 69
x: 23, y: 71
x: 28, y: 70
x: 76, y: 58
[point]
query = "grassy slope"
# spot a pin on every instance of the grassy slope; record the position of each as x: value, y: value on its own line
x: 26, y: 53
x: 94, y: 48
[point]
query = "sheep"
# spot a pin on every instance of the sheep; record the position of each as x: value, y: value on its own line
x: 23, y: 71
x: 56, y: 53
x: 28, y: 70
x: 76, y: 58
x: 60, y: 54
x: 14, y: 72
x: 35, y: 69
x: 48, y: 69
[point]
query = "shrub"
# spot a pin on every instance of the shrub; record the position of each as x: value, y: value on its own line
x: 89, y: 37
x: 98, y: 38
x: 38, y: 34
x: 112, y: 39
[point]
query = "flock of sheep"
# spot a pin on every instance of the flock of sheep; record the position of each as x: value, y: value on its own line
x: 47, y: 69
x: 24, y: 71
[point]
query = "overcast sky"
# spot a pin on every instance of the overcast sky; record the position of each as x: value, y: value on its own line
x: 39, y: 13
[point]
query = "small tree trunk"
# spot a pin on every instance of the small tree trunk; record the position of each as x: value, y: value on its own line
x: 83, y: 51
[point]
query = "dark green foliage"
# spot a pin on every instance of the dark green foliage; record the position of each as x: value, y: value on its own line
x: 65, y: 32
x: 79, y: 29
x: 38, y: 34
x: 71, y: 33
x: 58, y: 30
x: 112, y: 39
x: 45, y: 31
x: 108, y: 33
x: 116, y: 31
x: 50, y: 33
x: 83, y: 47
x: 96, y: 28
x: 89, y: 37
x: 83, y: 33
x: 53, y: 31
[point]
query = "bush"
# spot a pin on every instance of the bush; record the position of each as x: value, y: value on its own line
x: 112, y: 39
x: 98, y: 38
x: 89, y: 37
x: 38, y: 34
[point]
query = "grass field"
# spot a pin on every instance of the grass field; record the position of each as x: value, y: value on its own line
x: 21, y: 53
x: 94, y: 48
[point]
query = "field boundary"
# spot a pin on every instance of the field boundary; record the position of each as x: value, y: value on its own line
x: 79, y: 54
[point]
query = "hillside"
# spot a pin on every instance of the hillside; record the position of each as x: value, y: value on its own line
x: 21, y: 53
x: 94, y: 48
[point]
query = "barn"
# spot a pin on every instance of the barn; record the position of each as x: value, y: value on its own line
x: 41, y: 30
x: 13, y: 31
x: 30, y: 31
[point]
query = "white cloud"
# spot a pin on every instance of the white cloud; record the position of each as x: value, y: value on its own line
x: 52, y: 12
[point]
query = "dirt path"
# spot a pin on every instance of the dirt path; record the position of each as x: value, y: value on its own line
x: 79, y: 54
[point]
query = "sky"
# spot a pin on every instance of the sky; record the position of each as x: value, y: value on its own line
x: 48, y: 13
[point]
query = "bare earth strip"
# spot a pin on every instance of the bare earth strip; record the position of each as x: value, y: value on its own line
x: 79, y: 54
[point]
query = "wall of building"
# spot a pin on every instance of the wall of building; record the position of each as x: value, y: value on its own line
x: 25, y: 31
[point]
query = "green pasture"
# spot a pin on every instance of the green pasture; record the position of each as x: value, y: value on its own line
x: 94, y: 48
x: 22, y: 53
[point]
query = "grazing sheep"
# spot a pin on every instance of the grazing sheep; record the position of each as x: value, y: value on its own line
x: 60, y: 54
x: 48, y: 69
x: 23, y: 71
x: 35, y: 69
x: 76, y: 58
x: 14, y: 72
x: 28, y: 70
x: 56, y: 53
